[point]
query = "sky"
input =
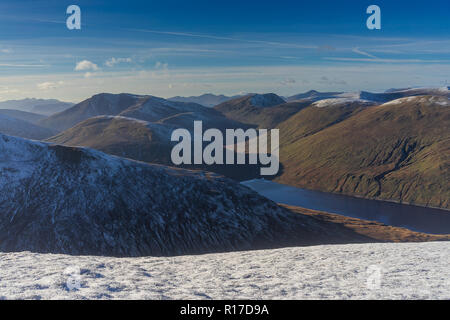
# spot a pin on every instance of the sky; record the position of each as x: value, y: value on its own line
x: 169, y: 48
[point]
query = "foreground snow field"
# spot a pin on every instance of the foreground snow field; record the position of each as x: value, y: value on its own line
x: 354, y: 271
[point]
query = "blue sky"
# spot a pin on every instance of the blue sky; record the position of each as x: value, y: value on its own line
x: 169, y: 48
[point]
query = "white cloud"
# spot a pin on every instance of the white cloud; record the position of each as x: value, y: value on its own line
x: 113, y: 61
x: 326, y: 81
x: 161, y: 66
x: 288, y: 82
x: 88, y: 75
x: 86, y: 65
x: 49, y: 85
x: 162, y: 70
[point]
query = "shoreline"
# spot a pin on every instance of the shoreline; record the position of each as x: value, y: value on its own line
x: 374, y: 230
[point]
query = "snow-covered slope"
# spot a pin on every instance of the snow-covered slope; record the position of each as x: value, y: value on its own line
x: 79, y: 201
x: 375, y: 97
x: 406, y: 271
x: 342, y: 101
x: 442, y: 91
x: 428, y: 100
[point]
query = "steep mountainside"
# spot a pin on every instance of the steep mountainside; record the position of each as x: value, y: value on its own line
x: 313, y: 119
x: 143, y: 141
x: 121, y: 136
x: 396, y: 151
x: 80, y: 201
x: 24, y: 129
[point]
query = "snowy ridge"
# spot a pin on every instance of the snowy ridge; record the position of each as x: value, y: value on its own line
x: 439, y: 100
x: 340, y: 101
x: 427, y: 90
x: 375, y: 97
x: 145, y: 123
x: 80, y: 201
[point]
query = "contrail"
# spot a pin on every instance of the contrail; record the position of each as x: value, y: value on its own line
x: 206, y: 36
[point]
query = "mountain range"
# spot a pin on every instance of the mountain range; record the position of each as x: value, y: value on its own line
x: 147, y: 108
x: 338, y: 142
x: 148, y: 141
x: 382, y: 97
x: 353, y: 144
x: 44, y: 107
x: 207, y: 99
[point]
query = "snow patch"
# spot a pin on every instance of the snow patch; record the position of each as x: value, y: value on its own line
x: 406, y: 270
x: 339, y: 101
x: 439, y: 100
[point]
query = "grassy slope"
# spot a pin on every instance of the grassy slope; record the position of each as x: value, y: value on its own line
x: 393, y: 152
x: 311, y: 120
x: 242, y: 110
x: 134, y: 140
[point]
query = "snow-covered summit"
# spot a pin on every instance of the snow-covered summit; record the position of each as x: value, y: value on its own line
x: 438, y: 100
x: 341, y: 101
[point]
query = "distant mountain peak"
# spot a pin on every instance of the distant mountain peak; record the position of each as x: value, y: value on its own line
x: 265, y: 100
x: 207, y: 99
x: 45, y: 107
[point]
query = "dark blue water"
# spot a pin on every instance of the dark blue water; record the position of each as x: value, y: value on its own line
x: 415, y: 218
